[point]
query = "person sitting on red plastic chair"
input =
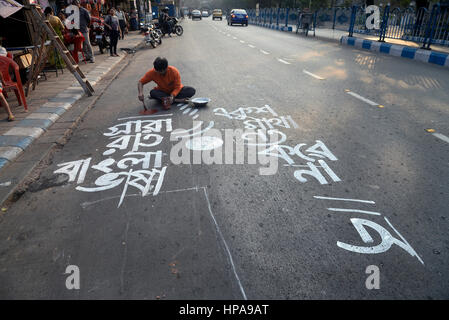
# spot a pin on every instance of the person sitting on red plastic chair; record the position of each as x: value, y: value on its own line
x: 4, y: 103
x: 76, y: 38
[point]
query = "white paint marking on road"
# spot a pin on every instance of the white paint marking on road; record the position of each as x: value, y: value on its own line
x: 195, y: 116
x: 193, y: 112
x: 405, y: 241
x: 225, y: 244
x: 241, y: 41
x: 283, y: 61
x: 183, y: 107
x: 152, y: 116
x: 177, y: 132
x: 441, y: 136
x: 251, y: 46
x: 295, y: 125
x: 300, y: 165
x: 363, y: 99
x: 313, y: 75
x: 186, y: 111
x: 84, y: 205
x: 264, y: 52
x: 234, y: 38
x: 228, y: 35
x: 354, y: 210
x: 344, y: 199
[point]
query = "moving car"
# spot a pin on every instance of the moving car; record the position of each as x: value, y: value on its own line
x: 205, y: 14
x: 196, y: 14
x: 238, y: 16
x: 217, y: 14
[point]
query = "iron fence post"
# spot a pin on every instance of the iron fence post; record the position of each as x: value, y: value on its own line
x: 335, y: 16
x: 286, y: 17
x: 277, y: 17
x: 384, y: 26
x: 352, y: 21
x: 431, y: 26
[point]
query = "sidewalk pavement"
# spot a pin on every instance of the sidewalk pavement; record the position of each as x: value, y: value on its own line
x: 401, y: 48
x: 51, y: 99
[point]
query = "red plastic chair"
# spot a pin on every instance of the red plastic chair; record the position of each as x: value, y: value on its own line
x: 8, y: 84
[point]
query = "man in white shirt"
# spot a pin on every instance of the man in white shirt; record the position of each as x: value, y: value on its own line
x: 122, y: 21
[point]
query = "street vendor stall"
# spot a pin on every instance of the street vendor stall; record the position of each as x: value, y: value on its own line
x: 40, y: 40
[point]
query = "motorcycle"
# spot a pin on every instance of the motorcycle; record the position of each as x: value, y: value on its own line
x: 171, y: 26
x: 152, y: 37
x: 97, y: 35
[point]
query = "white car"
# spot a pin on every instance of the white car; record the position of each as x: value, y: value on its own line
x: 196, y: 14
x: 205, y: 14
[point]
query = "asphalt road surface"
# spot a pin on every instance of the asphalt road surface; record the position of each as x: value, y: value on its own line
x: 356, y: 119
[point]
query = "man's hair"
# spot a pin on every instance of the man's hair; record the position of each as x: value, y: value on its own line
x: 76, y: 2
x: 160, y: 64
x: 48, y: 10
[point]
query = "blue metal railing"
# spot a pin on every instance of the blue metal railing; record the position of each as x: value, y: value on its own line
x: 422, y: 26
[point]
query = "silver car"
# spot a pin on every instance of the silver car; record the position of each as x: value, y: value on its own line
x: 196, y: 14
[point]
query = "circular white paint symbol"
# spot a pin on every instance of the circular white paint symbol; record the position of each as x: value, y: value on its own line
x: 204, y: 143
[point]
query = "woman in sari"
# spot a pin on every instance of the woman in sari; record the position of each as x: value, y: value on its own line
x: 53, y: 57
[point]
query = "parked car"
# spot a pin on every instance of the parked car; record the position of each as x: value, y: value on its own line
x: 217, y: 14
x: 196, y: 14
x: 238, y: 16
x: 205, y: 14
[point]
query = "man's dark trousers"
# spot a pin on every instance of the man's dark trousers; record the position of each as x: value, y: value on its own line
x: 186, y: 92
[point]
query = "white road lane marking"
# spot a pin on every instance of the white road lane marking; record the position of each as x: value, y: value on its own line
x: 234, y: 38
x: 355, y: 95
x: 354, y: 210
x: 264, y: 52
x: 344, y: 199
x: 242, y: 41
x: 184, y: 106
x: 441, y: 136
x: 283, y: 61
x: 251, y: 46
x: 312, y: 75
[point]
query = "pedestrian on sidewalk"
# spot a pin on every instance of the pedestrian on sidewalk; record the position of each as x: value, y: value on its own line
x: 84, y: 29
x: 169, y: 87
x: 3, y: 101
x: 122, y: 21
x: 112, y: 23
x: 133, y: 20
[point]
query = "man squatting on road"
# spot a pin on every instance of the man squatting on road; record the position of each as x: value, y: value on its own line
x: 169, y: 86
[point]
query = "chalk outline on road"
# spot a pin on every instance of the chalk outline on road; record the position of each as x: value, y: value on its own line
x: 84, y: 205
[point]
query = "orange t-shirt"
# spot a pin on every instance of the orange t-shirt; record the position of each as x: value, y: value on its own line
x: 169, y: 83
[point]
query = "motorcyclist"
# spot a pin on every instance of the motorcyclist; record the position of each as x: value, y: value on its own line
x: 164, y: 21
